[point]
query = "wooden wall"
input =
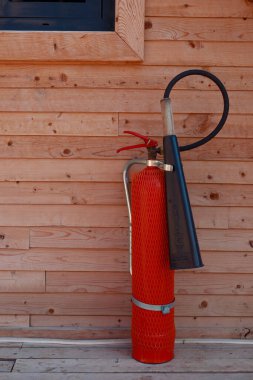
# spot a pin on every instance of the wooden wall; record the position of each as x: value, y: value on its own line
x: 63, y: 234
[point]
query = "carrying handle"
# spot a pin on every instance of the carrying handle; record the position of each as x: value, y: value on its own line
x: 225, y: 101
x: 126, y: 181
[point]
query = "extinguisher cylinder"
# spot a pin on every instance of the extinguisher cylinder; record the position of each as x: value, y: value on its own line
x: 153, y: 332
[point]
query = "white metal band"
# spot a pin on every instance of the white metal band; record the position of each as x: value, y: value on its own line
x: 165, y: 309
x: 161, y: 165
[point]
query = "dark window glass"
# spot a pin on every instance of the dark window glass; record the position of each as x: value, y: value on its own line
x: 86, y: 15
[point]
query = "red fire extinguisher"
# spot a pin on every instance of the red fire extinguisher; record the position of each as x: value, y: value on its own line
x: 153, y: 331
x: 162, y: 233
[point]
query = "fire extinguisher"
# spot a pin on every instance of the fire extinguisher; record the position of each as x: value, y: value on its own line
x: 162, y: 232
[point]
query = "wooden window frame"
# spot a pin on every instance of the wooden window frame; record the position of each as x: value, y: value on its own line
x: 125, y: 44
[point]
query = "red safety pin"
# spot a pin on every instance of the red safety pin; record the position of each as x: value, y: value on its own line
x: 148, y: 142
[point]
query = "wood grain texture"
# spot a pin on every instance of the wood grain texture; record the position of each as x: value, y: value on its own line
x: 129, y: 24
x: 188, y: 125
x: 238, y: 240
x: 64, y: 269
x: 65, y: 46
x: 238, y: 172
x: 120, y: 282
x: 120, y: 376
x: 124, y: 365
x: 125, y: 44
x: 58, y: 124
x: 60, y: 259
x: 73, y: 193
x: 196, y: 8
x: 14, y: 238
x: 210, y: 283
x: 119, y: 304
x: 88, y: 193
x: 78, y: 321
x: 22, y: 281
x: 111, y: 100
x: 119, y: 76
x: 78, y: 238
x: 78, y: 147
x: 88, y: 282
x: 13, y: 321
x: 90, y: 216
x: 227, y: 260
x: 198, y: 53
x: 185, y: 29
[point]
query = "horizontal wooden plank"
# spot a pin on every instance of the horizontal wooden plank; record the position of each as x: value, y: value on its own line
x: 58, y: 351
x: 82, y: 322
x: 13, y: 320
x: 214, y: 327
x: 220, y: 195
x: 185, y: 29
x: 22, y: 281
x: 123, y: 333
x: 14, y: 238
x: 213, y: 283
x: 89, y: 193
x: 120, y: 100
x: 70, y: 124
x: 220, y: 149
x: 236, y: 172
x: 229, y: 259
x: 6, y: 365
x: 186, y: 327
x: 99, y: 216
x: 191, y: 125
x: 122, y: 376
x: 127, y: 365
x: 88, y: 282
x: 213, y: 333
x: 61, y: 170
x: 214, y: 305
x: 120, y: 282
x: 111, y: 171
x: 119, y: 304
x: 77, y: 238
x: 234, y: 240
x: 104, y: 148
x: 77, y: 193
x: 65, y: 304
x: 227, y: 262
x: 117, y: 238
x: 196, y: 8
x: 57, y: 259
x: 198, y: 53
x: 102, y: 77
x: 60, y: 333
x: 66, y: 215
x: 241, y: 217
x: 191, y: 351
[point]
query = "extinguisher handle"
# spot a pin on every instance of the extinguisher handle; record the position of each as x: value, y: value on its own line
x: 147, y: 142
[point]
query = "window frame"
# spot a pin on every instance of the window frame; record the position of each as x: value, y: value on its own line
x: 126, y: 43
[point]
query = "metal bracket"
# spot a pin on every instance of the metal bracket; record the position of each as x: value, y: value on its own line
x: 165, y: 309
x: 161, y: 165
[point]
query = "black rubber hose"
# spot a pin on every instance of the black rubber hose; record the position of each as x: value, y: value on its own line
x: 225, y: 99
